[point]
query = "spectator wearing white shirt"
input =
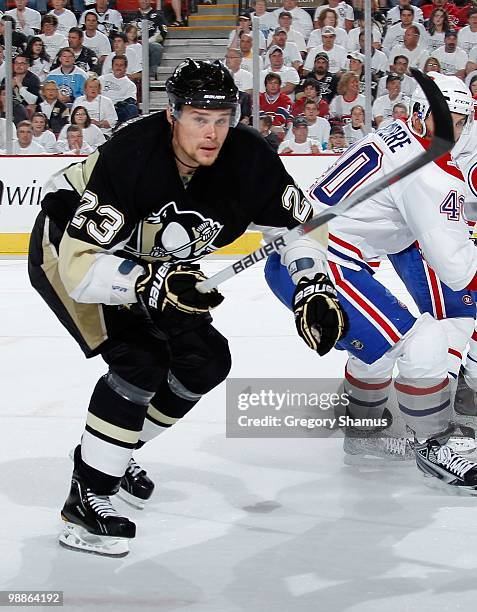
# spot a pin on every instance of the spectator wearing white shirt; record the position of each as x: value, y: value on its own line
x: 242, y: 78
x: 354, y: 34
x: 395, y: 34
x: 342, y: 9
x: 120, y: 47
x: 244, y: 26
x: 246, y: 43
x: 328, y: 17
x: 453, y: 60
x: 437, y: 27
x: 336, y: 54
x: 24, y: 144
x: 383, y: 106
x: 399, y: 68
x: 393, y: 16
x: 266, y: 19
x: 100, y: 108
x: 300, y: 142
x: 291, y: 54
x: 400, y: 111
x: 348, y: 96
x: 51, y: 38
x: 40, y: 62
x: 379, y: 60
x: 27, y: 20
x: 285, y: 21
x: 288, y: 75
x: 75, y: 144
x: 3, y: 132
x: 120, y: 89
x: 66, y: 18
x: 355, y: 130
x: 301, y: 19
x: 42, y: 135
x: 93, y: 39
x: 318, y: 128
x: 415, y: 53
x: 92, y: 134
x: 109, y: 20
x: 337, y: 142
x: 467, y: 37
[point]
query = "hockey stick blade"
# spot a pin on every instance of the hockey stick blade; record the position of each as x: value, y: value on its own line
x: 442, y: 141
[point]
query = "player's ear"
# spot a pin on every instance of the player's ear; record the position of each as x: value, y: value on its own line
x: 170, y: 117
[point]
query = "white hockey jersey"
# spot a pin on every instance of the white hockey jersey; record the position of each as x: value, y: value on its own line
x: 425, y: 206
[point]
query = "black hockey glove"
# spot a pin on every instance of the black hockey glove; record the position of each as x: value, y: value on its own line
x: 165, y: 289
x: 319, y: 318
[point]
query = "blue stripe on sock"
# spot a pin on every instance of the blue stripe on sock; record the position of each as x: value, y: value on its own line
x: 427, y: 412
x: 358, y: 402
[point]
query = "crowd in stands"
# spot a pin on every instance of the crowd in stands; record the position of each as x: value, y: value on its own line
x: 77, y: 67
x: 312, y: 65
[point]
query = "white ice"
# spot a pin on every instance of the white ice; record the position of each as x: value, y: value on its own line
x: 260, y: 525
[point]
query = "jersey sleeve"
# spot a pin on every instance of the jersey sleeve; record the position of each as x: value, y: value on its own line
x: 104, y: 219
x: 432, y: 205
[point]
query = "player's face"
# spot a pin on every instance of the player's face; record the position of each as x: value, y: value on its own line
x: 458, y: 122
x: 199, y: 134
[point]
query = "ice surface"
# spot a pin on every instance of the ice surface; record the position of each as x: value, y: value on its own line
x: 235, y: 524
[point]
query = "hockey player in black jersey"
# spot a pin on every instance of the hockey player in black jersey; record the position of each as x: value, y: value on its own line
x: 113, y: 253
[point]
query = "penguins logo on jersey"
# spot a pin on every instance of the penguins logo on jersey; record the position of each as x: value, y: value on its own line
x: 174, y: 234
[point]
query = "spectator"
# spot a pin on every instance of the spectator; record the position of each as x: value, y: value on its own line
x: 353, y: 36
x: 327, y: 17
x: 318, y: 128
x: 3, y: 121
x: 179, y: 22
x: 355, y: 129
x: 120, y: 48
x: 399, y: 67
x: 132, y: 35
x: 69, y: 78
x: 42, y: 135
x: 85, y: 58
x: 244, y: 26
x: 266, y: 19
x: 289, y: 76
x: 75, y: 144
x: 24, y: 144
x: 120, y: 89
x: 19, y: 40
x: 356, y: 65
x: 266, y: 132
x: 450, y: 8
x: 299, y: 142
x: 242, y: 78
x: 473, y: 91
x: 245, y: 101
x: 53, y: 108
x: 337, y: 142
x: 275, y: 103
x: 52, y: 40
x: 431, y: 65
x: 438, y: 26
x: 328, y: 81
x: 342, y: 9
x: 19, y: 111
x: 92, y: 134
x: 301, y: 19
x: 393, y: 16
x: 40, y: 62
x: 395, y: 34
x: 100, y: 108
x: 109, y: 20
x: 285, y: 20
x: 291, y: 54
x: 26, y: 85
x: 27, y: 20
x: 336, y: 54
x: 467, y: 36
x: 156, y: 35
x: 2, y: 64
x: 379, y: 60
x: 400, y: 111
x: 311, y: 92
x: 452, y: 59
x: 247, y: 53
x: 383, y: 107
x: 93, y: 39
x: 415, y: 53
x: 348, y: 96
x: 66, y: 18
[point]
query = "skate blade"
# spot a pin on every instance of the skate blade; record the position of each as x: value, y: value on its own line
x: 131, y: 500
x: 462, y: 446
x: 374, y: 461
x: 77, y: 538
x: 432, y: 482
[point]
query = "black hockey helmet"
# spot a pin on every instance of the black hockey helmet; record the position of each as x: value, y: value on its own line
x: 203, y: 84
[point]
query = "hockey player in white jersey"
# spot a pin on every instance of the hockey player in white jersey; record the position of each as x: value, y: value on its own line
x: 424, y: 207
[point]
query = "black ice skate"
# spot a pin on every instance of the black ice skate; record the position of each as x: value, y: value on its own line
x: 136, y: 487
x: 465, y: 398
x: 436, y: 459
x: 92, y: 524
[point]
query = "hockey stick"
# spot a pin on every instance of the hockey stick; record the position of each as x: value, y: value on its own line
x: 442, y: 141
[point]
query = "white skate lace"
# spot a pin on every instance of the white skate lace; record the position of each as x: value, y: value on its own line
x: 396, y: 446
x: 453, y: 462
x: 101, y: 504
x: 134, y: 469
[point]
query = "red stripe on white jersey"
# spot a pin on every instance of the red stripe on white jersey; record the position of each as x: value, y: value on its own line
x: 452, y: 351
x: 345, y: 245
x: 365, y: 307
x: 435, y: 290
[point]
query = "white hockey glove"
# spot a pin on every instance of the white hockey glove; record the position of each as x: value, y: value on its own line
x: 319, y: 318
x: 165, y: 289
